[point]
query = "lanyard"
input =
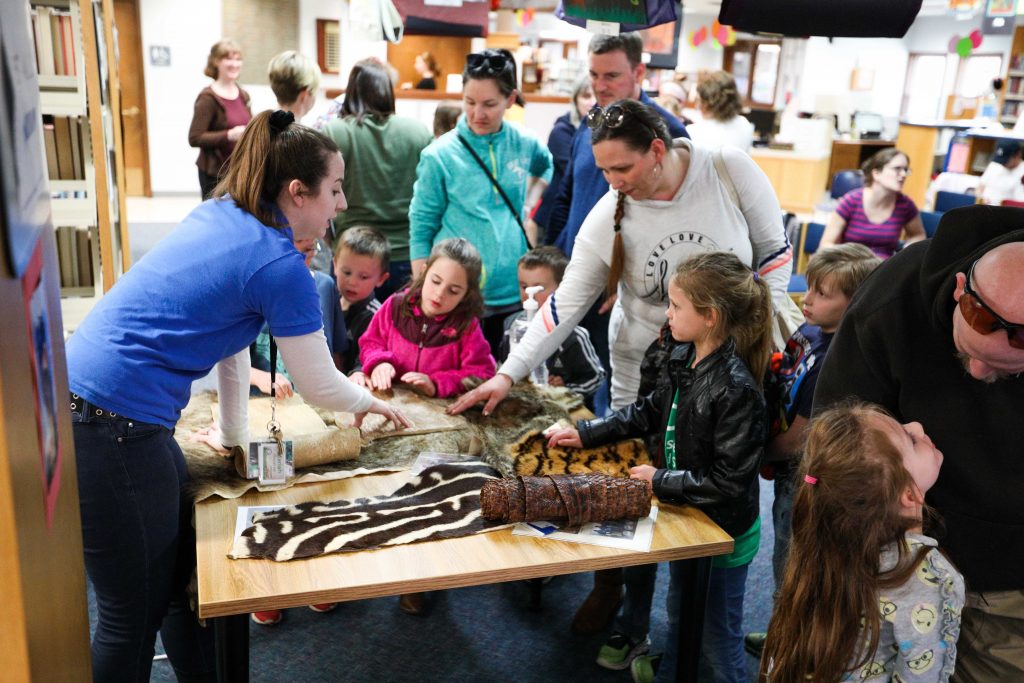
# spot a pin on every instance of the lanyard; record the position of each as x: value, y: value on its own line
x: 273, y: 427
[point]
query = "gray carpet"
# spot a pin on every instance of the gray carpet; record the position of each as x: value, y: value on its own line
x: 484, y: 633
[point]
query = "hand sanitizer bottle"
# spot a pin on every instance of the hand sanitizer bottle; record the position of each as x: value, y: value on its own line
x: 538, y: 375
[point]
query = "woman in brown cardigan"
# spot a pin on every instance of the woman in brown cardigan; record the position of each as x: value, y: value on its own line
x: 221, y: 113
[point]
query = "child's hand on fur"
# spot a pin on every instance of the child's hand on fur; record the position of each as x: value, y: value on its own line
x: 421, y: 383
x: 361, y: 379
x: 565, y: 438
x: 382, y: 375
x: 645, y: 472
x: 556, y: 381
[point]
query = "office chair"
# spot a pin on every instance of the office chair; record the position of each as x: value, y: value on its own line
x: 945, y: 200
x: 844, y: 181
x: 931, y: 222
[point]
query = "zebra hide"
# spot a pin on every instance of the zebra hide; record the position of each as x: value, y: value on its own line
x: 441, y: 502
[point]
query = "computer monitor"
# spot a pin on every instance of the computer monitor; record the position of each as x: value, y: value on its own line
x: 867, y: 125
x: 766, y: 123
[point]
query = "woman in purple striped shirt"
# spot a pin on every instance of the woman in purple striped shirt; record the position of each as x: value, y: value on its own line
x: 878, y: 213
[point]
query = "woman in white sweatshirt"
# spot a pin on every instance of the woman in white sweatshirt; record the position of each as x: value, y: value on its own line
x: 668, y: 200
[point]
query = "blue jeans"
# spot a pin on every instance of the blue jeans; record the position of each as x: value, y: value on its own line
x: 139, y: 547
x: 782, y: 516
x: 722, y: 642
x: 721, y: 648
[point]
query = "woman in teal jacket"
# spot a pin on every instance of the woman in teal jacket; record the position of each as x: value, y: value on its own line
x: 455, y: 197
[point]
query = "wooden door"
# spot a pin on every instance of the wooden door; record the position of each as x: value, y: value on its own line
x: 449, y: 52
x: 133, y: 98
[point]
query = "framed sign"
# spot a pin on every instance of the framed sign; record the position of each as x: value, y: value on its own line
x: 38, y: 319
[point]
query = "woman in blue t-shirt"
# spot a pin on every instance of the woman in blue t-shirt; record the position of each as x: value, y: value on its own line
x: 199, y: 298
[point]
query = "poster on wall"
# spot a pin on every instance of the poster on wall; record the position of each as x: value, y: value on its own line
x: 38, y: 318
x: 24, y: 193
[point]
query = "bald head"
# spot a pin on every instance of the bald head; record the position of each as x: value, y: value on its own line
x: 998, y: 281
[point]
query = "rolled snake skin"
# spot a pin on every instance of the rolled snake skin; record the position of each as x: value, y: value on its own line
x: 576, y: 498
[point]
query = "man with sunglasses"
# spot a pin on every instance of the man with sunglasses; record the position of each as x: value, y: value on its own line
x: 936, y: 336
x: 616, y: 73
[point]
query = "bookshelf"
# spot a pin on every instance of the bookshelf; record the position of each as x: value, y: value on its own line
x: 79, y: 96
x: 1012, y: 104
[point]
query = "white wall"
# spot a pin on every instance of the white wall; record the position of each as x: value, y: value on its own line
x: 932, y: 34
x: 828, y: 66
x: 189, y: 28
x: 694, y: 59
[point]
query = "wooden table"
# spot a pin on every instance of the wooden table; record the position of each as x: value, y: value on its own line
x: 230, y: 589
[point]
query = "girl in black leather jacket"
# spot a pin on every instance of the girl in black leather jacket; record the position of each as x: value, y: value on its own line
x: 706, y: 416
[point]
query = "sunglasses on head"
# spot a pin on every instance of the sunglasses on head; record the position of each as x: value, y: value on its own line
x: 611, y: 116
x: 493, y: 63
x: 983, y: 319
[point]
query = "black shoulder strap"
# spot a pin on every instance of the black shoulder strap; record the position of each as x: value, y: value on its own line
x: 508, y: 203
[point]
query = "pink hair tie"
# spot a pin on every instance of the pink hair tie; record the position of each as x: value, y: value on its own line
x: 810, y: 480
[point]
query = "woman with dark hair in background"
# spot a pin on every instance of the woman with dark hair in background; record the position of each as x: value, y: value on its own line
x: 385, y: 148
x: 220, y: 115
x: 479, y: 181
x: 560, y: 146
x: 877, y: 214
x: 195, y: 300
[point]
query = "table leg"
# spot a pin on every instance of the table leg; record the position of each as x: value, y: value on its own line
x: 696, y: 580
x: 232, y: 641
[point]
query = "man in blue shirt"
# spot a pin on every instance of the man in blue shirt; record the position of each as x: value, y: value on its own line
x: 616, y: 73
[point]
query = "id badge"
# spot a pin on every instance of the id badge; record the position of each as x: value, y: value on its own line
x: 270, y: 461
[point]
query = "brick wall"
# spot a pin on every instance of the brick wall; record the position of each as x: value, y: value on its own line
x: 262, y: 28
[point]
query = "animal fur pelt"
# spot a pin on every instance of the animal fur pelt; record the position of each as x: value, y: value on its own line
x: 510, y: 440
x: 441, y: 502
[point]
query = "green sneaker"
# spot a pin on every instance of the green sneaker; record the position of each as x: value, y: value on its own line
x: 619, y: 651
x: 645, y: 668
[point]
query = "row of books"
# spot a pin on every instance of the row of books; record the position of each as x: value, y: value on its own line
x: 1011, y: 108
x: 1014, y: 86
x: 74, y: 253
x: 66, y: 141
x: 55, y: 39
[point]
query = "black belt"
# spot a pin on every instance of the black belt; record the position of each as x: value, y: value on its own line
x: 82, y: 407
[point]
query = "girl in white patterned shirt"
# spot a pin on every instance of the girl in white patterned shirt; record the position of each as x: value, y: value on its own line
x: 866, y: 596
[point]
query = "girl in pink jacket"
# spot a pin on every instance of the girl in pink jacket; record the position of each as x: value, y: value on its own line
x: 428, y: 335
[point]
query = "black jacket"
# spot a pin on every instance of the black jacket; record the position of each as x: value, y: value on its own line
x: 721, y: 429
x: 895, y: 348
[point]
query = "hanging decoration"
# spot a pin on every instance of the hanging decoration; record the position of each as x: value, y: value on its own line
x: 525, y: 16
x: 719, y: 34
x: 964, y: 45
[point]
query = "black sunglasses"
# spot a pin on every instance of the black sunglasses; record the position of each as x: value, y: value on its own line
x: 983, y: 319
x: 493, y: 63
x: 611, y: 116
